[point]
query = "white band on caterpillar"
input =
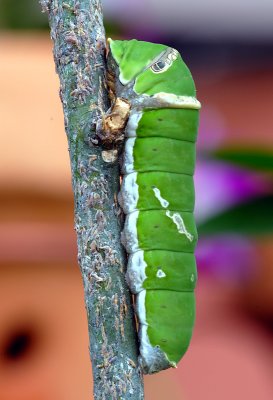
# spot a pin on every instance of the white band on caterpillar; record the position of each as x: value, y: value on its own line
x: 128, y: 156
x: 132, y: 124
x: 129, y: 195
x: 135, y: 275
x: 174, y: 101
x: 129, y: 237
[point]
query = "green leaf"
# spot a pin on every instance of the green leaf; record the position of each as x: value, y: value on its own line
x: 249, y: 158
x: 252, y: 218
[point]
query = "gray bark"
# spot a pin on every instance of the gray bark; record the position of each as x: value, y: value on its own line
x: 79, y: 52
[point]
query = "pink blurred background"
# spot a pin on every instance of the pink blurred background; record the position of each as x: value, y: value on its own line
x: 43, y: 328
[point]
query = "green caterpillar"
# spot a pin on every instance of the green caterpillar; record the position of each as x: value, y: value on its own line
x: 156, y: 95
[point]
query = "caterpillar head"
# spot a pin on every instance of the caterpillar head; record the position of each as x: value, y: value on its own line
x: 152, y: 67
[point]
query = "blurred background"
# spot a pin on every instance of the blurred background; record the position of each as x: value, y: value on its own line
x: 43, y: 330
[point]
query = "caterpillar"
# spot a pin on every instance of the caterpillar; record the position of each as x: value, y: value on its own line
x: 156, y: 109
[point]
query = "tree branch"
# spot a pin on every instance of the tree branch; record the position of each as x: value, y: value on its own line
x: 79, y: 47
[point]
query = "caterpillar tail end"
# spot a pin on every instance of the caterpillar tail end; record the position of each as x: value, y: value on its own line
x: 158, y: 363
x: 152, y: 359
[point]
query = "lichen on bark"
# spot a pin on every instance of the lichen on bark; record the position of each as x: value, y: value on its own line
x: 79, y: 52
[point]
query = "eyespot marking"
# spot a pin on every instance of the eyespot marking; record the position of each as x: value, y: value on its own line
x: 164, y: 61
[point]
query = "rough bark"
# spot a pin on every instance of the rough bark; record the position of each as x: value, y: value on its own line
x: 79, y: 52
